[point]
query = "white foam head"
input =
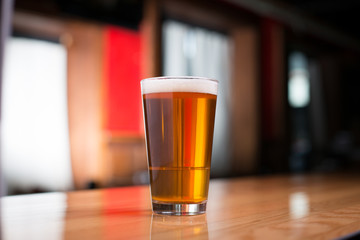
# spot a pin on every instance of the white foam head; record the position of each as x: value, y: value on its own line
x: 179, y: 84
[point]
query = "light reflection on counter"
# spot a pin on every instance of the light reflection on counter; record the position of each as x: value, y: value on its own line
x: 298, y: 205
x: 121, y: 216
x: 24, y: 217
x: 178, y: 227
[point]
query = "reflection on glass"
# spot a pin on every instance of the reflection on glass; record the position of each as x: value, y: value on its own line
x: 178, y: 227
x: 298, y: 205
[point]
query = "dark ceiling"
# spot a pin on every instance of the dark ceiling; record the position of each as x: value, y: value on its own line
x: 119, y: 12
x: 344, y: 15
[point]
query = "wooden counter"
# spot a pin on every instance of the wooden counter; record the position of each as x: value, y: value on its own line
x: 274, y: 207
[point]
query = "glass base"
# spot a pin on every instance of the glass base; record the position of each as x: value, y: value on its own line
x: 179, y: 209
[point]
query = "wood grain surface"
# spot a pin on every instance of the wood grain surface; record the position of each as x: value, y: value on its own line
x: 272, y: 207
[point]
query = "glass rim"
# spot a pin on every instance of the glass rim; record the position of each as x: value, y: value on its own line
x: 180, y: 78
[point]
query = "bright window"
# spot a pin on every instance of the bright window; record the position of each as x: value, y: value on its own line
x: 35, y: 137
x: 298, y: 86
x: 195, y: 51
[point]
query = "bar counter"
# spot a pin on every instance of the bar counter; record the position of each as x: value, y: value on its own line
x: 269, y: 207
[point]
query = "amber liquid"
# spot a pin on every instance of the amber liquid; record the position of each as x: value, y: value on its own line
x: 179, y: 133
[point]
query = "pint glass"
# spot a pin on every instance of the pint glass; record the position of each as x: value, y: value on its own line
x: 179, y: 114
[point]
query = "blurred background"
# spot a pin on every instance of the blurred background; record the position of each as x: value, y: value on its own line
x: 71, y: 114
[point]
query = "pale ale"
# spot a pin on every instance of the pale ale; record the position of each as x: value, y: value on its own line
x: 179, y: 122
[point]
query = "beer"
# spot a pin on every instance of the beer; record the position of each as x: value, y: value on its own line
x: 179, y: 123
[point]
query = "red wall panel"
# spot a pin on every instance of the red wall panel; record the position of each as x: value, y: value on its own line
x: 122, y: 81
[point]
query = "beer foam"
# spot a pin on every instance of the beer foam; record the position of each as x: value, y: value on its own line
x: 179, y: 84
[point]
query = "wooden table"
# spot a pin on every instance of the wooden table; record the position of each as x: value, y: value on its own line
x: 273, y: 207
